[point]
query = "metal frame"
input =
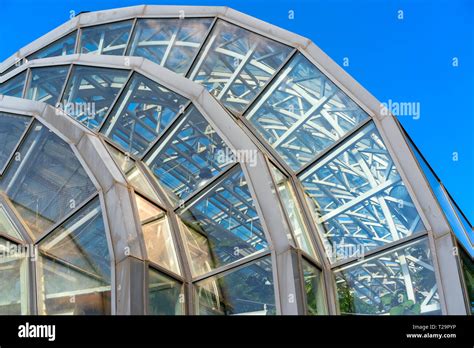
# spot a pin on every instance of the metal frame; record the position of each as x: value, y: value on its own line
x: 239, y: 134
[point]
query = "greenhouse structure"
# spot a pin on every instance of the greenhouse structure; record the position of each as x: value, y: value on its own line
x: 197, y: 161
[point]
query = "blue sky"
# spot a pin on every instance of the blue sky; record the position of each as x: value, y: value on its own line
x: 409, y: 60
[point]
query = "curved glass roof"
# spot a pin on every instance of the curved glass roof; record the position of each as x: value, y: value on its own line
x: 290, y: 159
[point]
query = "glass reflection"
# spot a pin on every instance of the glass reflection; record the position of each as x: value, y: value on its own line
x: 90, y: 92
x: 46, y: 181
x: 142, y: 113
x: 191, y: 155
x: 74, y: 266
x: 107, y: 39
x: 12, y: 128
x: 13, y: 279
x: 236, y: 63
x: 314, y: 289
x: 14, y: 86
x: 45, y: 84
x: 247, y: 290
x: 398, y: 282
x: 467, y: 265
x: 165, y: 295
x: 302, y: 113
x: 159, y: 242
x: 169, y: 42
x: 61, y: 47
x: 358, y: 197
x: 7, y: 227
x: 223, y: 224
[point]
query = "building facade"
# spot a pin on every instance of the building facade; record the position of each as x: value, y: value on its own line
x: 195, y: 160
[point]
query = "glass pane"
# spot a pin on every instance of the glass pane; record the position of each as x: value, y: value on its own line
x: 189, y: 156
x: 302, y: 113
x: 314, y: 289
x: 236, y: 63
x: 13, y: 279
x: 227, y: 219
x: 156, y: 231
x: 46, y: 181
x: 7, y: 227
x: 14, y: 86
x: 133, y: 174
x: 467, y: 264
x: 247, y: 290
x: 358, y: 197
x: 75, y: 266
x: 109, y: 39
x: 62, y: 47
x: 165, y: 295
x: 142, y: 113
x: 45, y: 84
x: 170, y: 42
x: 12, y: 128
x: 293, y: 212
x: 461, y: 228
x: 398, y: 282
x: 90, y: 93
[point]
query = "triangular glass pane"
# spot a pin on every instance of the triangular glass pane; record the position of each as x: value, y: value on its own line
x: 12, y: 128
x: 6, y: 225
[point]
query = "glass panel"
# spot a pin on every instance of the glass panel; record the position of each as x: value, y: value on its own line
x: 165, y: 295
x: 236, y: 63
x: 12, y: 128
x: 142, y: 113
x: 461, y: 228
x: 75, y: 266
x: 467, y: 264
x: 247, y: 290
x: 19, y: 62
x: 133, y: 174
x: 159, y: 242
x: 198, y: 249
x: 314, y: 289
x: 226, y: 218
x: 13, y: 279
x: 171, y: 42
x: 46, y: 181
x: 90, y: 93
x: 398, y: 282
x: 62, y: 47
x: 358, y: 197
x: 302, y: 113
x: 189, y: 156
x: 45, y: 84
x: 14, y: 86
x: 7, y: 227
x: 293, y: 212
x: 108, y: 39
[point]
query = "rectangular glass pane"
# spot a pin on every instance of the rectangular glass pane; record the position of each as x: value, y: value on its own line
x: 358, y: 197
x: 314, y: 289
x: 236, y: 63
x: 226, y: 218
x: 61, y: 47
x: 46, y: 84
x: 165, y: 295
x: 90, y: 93
x: 397, y: 282
x: 107, y: 39
x: 46, y: 181
x: 189, y: 156
x: 302, y: 113
x: 169, y: 42
x: 14, y: 286
x: 247, y: 290
x: 141, y: 114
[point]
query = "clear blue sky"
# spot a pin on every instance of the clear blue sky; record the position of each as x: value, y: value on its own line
x: 407, y: 60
